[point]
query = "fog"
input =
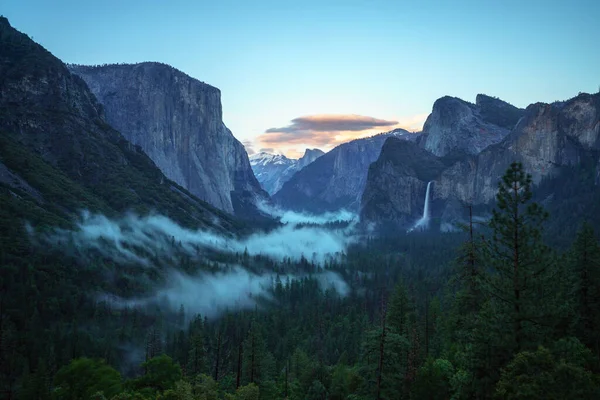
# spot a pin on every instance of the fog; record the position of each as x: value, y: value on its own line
x: 154, y: 240
x: 211, y: 294
x: 295, y: 218
x: 138, y: 239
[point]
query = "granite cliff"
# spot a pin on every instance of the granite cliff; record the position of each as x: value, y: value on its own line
x: 59, y: 155
x: 457, y: 126
x: 336, y: 179
x: 550, y: 140
x: 177, y: 121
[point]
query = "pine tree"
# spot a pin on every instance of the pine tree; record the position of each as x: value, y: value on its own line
x: 584, y: 261
x: 197, y: 356
x: 253, y: 355
x: 521, y: 280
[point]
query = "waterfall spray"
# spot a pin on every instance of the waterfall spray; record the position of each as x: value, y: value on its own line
x: 423, y: 223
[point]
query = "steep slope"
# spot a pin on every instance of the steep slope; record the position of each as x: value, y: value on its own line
x: 397, y: 181
x: 59, y: 155
x: 551, y: 140
x: 336, y: 179
x: 177, y: 121
x: 455, y: 125
x: 310, y: 155
x: 273, y: 170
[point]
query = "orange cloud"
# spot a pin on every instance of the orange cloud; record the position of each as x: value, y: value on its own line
x: 327, y: 131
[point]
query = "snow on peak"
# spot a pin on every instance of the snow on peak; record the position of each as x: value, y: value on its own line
x: 264, y: 159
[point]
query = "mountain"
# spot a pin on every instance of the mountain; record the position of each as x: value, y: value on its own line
x: 559, y: 144
x: 177, y: 121
x: 310, y: 155
x: 456, y: 126
x: 273, y: 170
x: 59, y: 155
x: 336, y: 179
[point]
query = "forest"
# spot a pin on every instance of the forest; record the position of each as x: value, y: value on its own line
x: 492, y: 312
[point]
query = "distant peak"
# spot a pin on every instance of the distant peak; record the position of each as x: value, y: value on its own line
x: 4, y: 21
x: 313, y: 152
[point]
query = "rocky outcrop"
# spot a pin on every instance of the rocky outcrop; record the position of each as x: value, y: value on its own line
x: 309, y: 156
x: 177, y: 121
x: 547, y: 139
x: 273, y: 170
x: 395, y: 189
x: 456, y: 126
x: 336, y: 179
x: 53, y: 126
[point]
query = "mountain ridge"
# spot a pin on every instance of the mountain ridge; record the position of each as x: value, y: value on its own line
x: 49, y: 117
x: 274, y: 170
x: 336, y: 179
x: 549, y: 139
x: 177, y: 121
x: 458, y: 125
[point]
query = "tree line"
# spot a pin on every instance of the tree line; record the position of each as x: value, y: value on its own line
x: 493, y: 312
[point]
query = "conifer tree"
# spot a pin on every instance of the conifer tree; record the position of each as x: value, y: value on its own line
x: 522, y: 270
x: 584, y: 261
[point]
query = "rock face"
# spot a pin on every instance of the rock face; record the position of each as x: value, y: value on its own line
x: 395, y: 189
x: 273, y: 170
x: 548, y: 139
x: 50, y: 118
x: 310, y: 155
x: 177, y: 121
x: 336, y: 179
x: 456, y: 126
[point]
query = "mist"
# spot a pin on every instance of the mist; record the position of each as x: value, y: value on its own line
x: 140, y: 239
x: 154, y: 241
x: 296, y: 218
x: 212, y: 294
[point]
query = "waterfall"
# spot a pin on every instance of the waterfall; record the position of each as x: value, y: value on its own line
x: 423, y: 223
x: 425, y: 216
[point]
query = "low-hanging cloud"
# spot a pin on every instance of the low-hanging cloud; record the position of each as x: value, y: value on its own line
x: 154, y: 240
x: 143, y: 239
x: 296, y: 218
x: 212, y: 294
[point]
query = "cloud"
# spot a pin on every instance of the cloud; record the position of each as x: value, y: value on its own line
x: 267, y: 150
x: 144, y: 240
x: 249, y: 147
x: 328, y: 131
x: 210, y: 294
x: 152, y: 246
x: 295, y: 218
x: 329, y: 123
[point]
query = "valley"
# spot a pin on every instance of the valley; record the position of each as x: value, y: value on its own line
x: 145, y: 253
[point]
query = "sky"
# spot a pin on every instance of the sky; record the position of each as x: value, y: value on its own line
x: 316, y: 73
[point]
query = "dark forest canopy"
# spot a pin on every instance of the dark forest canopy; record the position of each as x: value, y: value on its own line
x: 494, y: 313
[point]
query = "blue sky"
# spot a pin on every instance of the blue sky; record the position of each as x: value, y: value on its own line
x: 276, y: 61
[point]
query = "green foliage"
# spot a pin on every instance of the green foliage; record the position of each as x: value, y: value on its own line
x: 161, y: 374
x: 84, y: 377
x: 248, y: 392
x: 522, y: 269
x: 206, y: 387
x: 433, y: 380
x: 584, y: 263
x: 546, y: 374
x: 442, y: 337
x: 316, y: 391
